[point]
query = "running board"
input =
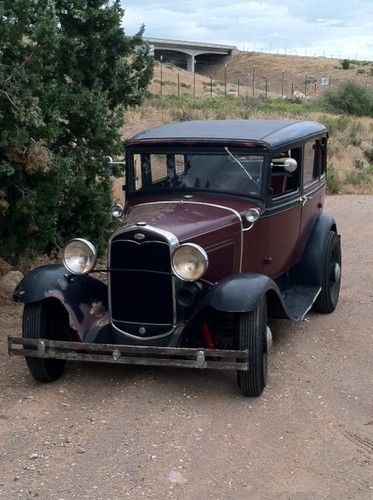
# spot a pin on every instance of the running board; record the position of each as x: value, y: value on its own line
x: 299, y: 300
x: 219, y: 359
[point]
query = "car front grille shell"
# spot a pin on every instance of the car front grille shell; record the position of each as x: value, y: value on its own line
x: 141, y: 285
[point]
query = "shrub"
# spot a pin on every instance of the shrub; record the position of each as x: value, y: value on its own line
x: 67, y: 73
x: 333, y: 180
x: 345, y: 64
x: 368, y: 155
x: 349, y: 98
x: 361, y: 178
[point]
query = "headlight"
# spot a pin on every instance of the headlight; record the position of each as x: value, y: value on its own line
x: 189, y: 262
x: 79, y: 256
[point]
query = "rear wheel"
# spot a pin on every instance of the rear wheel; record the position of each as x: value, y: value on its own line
x: 327, y: 300
x: 254, y: 335
x: 46, y: 319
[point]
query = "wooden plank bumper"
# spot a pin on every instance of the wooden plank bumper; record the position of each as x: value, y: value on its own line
x: 219, y: 359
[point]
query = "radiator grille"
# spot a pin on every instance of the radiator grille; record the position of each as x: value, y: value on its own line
x: 139, y: 292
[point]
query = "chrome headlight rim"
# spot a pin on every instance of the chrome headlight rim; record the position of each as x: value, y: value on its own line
x: 202, y: 254
x: 92, y: 257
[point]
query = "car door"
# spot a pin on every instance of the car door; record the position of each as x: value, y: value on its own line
x: 311, y: 192
x: 284, y: 215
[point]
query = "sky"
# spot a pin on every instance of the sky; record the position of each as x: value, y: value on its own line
x: 342, y: 29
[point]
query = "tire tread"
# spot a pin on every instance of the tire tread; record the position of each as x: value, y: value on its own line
x: 34, y: 327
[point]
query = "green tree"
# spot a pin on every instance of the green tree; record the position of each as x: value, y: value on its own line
x: 67, y: 72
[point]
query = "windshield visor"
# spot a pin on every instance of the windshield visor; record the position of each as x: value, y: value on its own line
x: 227, y: 170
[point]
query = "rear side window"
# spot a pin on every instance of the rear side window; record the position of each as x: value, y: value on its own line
x: 309, y: 163
x: 323, y: 155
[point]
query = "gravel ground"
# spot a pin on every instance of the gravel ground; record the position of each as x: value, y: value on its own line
x: 113, y: 432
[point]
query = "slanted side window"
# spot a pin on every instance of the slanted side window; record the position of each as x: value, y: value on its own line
x: 309, y: 163
x: 284, y: 181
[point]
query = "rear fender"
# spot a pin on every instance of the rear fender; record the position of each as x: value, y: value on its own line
x: 84, y: 298
x: 310, y: 271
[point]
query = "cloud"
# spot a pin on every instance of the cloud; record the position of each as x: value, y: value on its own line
x: 342, y: 28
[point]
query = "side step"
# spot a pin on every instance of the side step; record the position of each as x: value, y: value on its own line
x: 219, y: 359
x: 299, y: 300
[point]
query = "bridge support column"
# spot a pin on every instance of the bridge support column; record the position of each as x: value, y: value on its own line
x: 191, y: 62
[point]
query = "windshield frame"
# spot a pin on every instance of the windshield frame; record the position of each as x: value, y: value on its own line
x: 234, y: 148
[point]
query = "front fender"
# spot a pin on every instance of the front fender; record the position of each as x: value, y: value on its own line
x: 85, y: 298
x: 242, y: 292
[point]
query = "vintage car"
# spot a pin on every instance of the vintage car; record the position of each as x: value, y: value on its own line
x: 222, y: 228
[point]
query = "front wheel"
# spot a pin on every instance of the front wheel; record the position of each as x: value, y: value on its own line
x: 327, y: 299
x: 46, y: 319
x: 254, y: 335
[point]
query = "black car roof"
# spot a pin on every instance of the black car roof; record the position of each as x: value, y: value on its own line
x: 272, y: 133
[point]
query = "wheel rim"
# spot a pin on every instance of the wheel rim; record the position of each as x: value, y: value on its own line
x: 267, y: 343
x: 335, y: 274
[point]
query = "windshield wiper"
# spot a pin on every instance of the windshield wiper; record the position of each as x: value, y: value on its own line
x: 239, y: 163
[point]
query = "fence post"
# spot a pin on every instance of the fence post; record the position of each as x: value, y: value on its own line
x: 178, y: 85
x: 305, y: 84
x: 282, y: 84
x: 210, y: 87
x: 253, y: 81
x: 225, y: 79
x: 194, y: 85
x: 266, y: 87
x: 161, y: 75
x: 292, y: 89
x: 238, y: 87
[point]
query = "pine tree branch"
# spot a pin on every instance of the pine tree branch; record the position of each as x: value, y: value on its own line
x: 10, y: 100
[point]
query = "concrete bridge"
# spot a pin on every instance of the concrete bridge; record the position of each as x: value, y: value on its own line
x: 189, y: 54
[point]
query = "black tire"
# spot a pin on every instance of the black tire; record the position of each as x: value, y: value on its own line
x: 45, y: 320
x: 252, y: 330
x: 327, y: 299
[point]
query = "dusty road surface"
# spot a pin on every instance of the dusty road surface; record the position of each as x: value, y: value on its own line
x: 107, y: 432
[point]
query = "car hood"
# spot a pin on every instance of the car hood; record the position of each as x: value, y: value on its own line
x: 214, y: 226
x: 185, y: 219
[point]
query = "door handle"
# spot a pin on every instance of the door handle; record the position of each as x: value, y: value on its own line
x: 303, y: 199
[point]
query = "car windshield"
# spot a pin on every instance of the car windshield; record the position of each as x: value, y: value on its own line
x: 226, y: 170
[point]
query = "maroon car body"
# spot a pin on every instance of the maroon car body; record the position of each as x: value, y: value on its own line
x: 244, y: 199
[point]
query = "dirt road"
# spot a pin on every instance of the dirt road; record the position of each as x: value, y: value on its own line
x: 113, y: 432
